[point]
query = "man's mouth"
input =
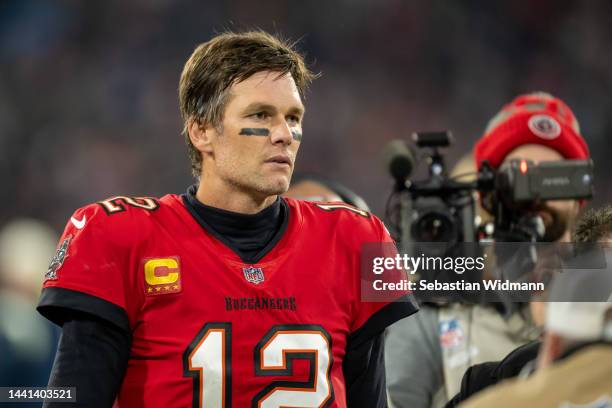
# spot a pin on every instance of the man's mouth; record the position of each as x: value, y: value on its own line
x: 280, y: 160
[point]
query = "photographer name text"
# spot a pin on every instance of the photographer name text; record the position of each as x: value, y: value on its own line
x: 461, y: 285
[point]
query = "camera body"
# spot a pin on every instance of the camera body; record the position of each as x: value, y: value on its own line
x: 442, y: 209
x: 523, y: 181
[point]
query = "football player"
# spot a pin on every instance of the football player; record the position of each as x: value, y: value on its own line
x: 227, y: 295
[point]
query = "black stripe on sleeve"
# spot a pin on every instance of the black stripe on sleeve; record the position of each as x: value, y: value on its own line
x: 57, y: 304
x: 386, y: 316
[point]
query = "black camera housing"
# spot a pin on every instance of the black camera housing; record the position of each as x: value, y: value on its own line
x: 442, y: 209
x: 522, y: 181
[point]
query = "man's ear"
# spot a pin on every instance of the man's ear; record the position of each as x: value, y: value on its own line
x: 202, y: 136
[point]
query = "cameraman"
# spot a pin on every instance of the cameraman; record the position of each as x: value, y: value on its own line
x: 427, y: 356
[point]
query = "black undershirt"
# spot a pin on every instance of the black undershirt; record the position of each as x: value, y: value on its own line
x: 93, y: 353
x: 250, y: 236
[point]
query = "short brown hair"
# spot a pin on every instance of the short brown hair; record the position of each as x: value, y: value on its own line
x: 594, y: 225
x: 227, y: 59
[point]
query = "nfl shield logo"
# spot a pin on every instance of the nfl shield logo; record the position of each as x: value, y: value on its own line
x: 253, y: 275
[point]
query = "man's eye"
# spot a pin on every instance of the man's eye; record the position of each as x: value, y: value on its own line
x: 293, y: 119
x: 260, y: 115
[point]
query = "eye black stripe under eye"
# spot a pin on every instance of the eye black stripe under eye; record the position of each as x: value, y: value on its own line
x: 297, y: 136
x: 255, y: 132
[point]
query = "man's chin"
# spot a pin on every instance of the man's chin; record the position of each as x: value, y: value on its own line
x: 276, y: 186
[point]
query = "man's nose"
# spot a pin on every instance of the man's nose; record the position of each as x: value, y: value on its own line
x: 281, y: 133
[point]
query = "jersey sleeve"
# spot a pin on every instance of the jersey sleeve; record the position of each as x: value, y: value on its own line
x: 90, y: 272
x: 372, y: 317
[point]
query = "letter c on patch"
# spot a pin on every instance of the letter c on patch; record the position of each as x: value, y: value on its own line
x: 170, y: 274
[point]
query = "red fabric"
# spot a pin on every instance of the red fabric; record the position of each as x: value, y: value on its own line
x: 316, y: 263
x: 515, y: 131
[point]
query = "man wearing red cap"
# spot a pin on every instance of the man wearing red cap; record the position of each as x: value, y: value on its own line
x: 536, y: 127
x: 533, y: 119
x: 427, y: 356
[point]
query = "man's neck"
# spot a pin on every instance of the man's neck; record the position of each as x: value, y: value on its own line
x: 223, y: 197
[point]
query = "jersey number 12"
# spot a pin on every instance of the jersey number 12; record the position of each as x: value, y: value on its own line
x: 208, y: 360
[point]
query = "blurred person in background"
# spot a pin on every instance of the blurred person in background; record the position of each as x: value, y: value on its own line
x: 574, y: 362
x: 27, y: 341
x: 595, y: 226
x: 315, y: 188
x: 427, y: 356
x: 223, y: 294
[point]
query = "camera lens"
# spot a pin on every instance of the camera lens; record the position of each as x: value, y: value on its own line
x: 434, y: 226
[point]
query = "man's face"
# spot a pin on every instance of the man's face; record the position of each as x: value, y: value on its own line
x: 557, y: 215
x: 254, y: 150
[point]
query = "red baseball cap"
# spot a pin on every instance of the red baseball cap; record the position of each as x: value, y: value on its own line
x: 536, y: 118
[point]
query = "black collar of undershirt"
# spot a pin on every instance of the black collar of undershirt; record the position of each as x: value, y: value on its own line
x: 250, y: 236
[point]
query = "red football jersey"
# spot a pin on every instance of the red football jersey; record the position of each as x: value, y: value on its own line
x: 209, y: 330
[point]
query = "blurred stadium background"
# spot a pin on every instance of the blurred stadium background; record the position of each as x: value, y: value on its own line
x: 88, y: 89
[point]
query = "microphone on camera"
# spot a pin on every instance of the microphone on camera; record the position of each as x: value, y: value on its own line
x: 399, y: 160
